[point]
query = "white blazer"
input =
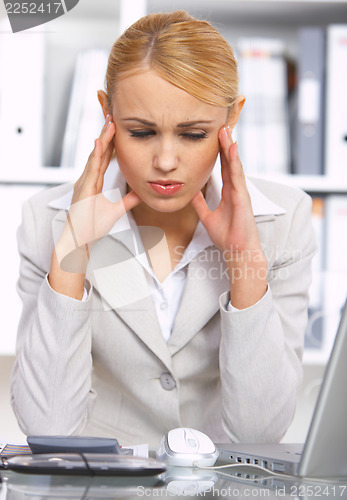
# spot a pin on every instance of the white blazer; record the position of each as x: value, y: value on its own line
x: 102, y: 367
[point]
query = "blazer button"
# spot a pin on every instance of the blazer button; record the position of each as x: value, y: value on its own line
x: 167, y: 381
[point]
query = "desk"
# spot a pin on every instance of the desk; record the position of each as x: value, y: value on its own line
x: 176, y: 482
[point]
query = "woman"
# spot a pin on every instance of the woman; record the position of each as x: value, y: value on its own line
x: 178, y: 297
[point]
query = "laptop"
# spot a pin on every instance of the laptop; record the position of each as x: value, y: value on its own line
x: 324, y: 453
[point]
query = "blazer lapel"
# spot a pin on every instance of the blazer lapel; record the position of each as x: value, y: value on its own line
x: 207, y: 279
x: 122, y: 284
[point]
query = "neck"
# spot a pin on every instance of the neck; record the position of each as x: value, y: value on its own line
x: 184, y: 220
x: 178, y: 228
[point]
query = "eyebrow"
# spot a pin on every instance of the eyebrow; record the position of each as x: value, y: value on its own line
x: 180, y: 125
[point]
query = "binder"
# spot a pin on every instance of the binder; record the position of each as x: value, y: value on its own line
x: 335, y: 283
x: 336, y: 102
x: 21, y: 99
x: 309, y: 157
x: 263, y: 128
x: 85, y: 119
x: 314, y: 336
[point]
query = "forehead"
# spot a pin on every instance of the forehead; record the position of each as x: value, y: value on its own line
x: 147, y: 94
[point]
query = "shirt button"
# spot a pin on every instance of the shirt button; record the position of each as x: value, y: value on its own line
x: 167, y: 381
x: 163, y: 305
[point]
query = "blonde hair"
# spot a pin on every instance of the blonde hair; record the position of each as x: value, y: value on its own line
x: 188, y: 53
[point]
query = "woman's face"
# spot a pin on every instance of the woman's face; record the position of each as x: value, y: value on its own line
x: 166, y: 140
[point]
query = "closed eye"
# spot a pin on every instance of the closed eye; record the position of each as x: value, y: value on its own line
x: 141, y: 134
x: 194, y: 136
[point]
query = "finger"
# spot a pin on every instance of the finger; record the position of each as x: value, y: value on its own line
x: 225, y: 140
x: 225, y: 171
x: 232, y: 170
x: 200, y: 206
x: 101, y: 146
x: 101, y: 156
x: 92, y: 178
x: 91, y: 171
x: 131, y: 200
x: 105, y: 161
x: 95, y: 161
x: 236, y: 170
x: 107, y: 133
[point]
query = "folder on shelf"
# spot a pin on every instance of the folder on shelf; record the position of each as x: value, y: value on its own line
x: 309, y: 153
x: 314, y: 331
x: 85, y: 119
x: 263, y: 129
x: 21, y: 98
x: 336, y: 102
x: 335, y: 282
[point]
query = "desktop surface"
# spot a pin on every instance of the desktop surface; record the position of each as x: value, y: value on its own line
x: 176, y: 482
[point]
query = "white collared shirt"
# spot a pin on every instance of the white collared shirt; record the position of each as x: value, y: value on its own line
x: 167, y: 295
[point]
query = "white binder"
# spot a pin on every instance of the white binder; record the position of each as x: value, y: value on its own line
x: 85, y: 119
x: 336, y: 102
x: 263, y: 128
x: 21, y: 98
x: 335, y: 285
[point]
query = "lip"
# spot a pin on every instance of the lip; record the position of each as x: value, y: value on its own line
x: 167, y: 187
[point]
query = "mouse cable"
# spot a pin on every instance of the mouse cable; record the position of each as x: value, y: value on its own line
x: 89, y: 469
x: 269, y: 473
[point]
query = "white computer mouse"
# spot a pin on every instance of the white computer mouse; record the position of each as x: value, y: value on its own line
x: 185, y: 447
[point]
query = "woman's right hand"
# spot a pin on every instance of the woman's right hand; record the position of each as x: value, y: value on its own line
x: 91, y: 214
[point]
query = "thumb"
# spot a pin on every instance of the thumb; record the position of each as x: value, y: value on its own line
x: 131, y: 200
x: 200, y: 206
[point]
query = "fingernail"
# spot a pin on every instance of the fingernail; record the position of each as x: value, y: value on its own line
x: 108, y: 120
x: 229, y: 133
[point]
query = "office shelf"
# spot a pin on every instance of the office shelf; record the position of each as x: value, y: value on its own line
x: 312, y: 184
x: 97, y: 24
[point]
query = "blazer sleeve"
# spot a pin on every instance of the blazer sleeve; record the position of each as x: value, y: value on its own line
x: 261, y: 347
x: 51, y: 379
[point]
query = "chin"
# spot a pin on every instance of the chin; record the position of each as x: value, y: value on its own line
x: 167, y: 205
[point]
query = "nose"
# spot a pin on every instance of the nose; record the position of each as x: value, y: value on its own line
x: 166, y: 158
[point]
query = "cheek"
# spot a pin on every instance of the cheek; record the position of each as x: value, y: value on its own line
x: 127, y: 155
x: 206, y: 160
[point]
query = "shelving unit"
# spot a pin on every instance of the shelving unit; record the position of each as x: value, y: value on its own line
x: 97, y: 24
x: 312, y: 184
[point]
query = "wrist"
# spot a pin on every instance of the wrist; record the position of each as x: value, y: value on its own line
x: 71, y: 259
x: 248, y: 279
x: 65, y: 282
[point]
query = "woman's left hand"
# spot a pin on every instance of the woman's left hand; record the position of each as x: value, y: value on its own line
x: 233, y: 230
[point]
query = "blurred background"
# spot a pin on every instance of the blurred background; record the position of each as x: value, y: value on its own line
x: 292, y: 58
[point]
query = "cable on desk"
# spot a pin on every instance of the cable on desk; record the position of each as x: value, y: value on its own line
x: 270, y: 473
x: 90, y: 471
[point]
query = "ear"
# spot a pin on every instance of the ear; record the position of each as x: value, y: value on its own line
x: 235, y: 111
x: 103, y: 100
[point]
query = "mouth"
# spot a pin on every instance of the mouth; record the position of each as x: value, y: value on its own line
x: 166, y: 187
